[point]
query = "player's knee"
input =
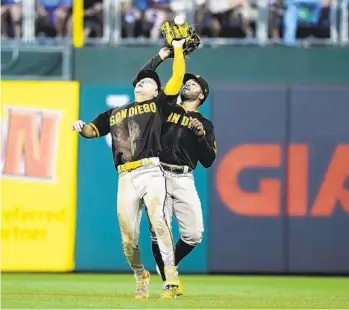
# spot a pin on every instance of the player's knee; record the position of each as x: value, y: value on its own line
x: 193, y: 237
x: 126, y: 238
x: 159, y: 225
x: 127, y: 246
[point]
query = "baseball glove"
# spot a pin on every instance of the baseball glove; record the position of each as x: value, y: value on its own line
x: 178, y: 32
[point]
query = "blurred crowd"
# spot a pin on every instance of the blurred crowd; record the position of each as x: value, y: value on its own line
x: 53, y: 18
x: 142, y: 18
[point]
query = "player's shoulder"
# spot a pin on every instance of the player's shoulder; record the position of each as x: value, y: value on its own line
x: 120, y: 108
x: 163, y: 97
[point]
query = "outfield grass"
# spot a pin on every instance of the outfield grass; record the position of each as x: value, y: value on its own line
x: 84, y: 291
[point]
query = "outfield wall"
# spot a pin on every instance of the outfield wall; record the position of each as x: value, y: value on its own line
x: 281, y: 180
x: 276, y: 199
x: 39, y: 179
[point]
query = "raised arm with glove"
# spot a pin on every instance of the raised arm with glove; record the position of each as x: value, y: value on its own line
x: 192, y: 39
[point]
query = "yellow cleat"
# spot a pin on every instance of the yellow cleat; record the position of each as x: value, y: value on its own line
x: 171, y: 276
x: 169, y: 292
x: 142, y: 285
x: 180, y: 289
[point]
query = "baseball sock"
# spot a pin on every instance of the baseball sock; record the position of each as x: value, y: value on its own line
x: 182, y: 250
x: 138, y: 272
x: 157, y: 255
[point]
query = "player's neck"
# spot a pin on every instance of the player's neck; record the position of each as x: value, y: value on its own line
x: 142, y: 98
x: 191, y: 106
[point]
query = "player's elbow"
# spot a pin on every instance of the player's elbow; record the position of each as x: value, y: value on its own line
x: 207, y: 163
x: 89, y: 132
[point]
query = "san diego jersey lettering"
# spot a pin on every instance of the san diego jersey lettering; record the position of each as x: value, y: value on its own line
x: 180, y: 145
x: 135, y: 129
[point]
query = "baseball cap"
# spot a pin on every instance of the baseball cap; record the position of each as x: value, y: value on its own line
x: 147, y: 74
x: 201, y: 81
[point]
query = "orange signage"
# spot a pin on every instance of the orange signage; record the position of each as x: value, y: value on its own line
x: 267, y: 201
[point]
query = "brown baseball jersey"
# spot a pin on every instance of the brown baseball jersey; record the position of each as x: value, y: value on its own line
x: 135, y: 129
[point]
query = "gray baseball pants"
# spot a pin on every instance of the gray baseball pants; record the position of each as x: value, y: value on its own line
x: 145, y: 183
x: 184, y: 204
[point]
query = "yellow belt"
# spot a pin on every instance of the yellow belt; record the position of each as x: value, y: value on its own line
x: 134, y: 165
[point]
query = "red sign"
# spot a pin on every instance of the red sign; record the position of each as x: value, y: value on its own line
x: 31, y: 143
x: 267, y: 202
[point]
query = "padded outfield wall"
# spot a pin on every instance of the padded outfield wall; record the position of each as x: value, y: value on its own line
x: 276, y: 199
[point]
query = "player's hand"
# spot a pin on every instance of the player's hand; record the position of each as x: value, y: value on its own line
x: 197, y: 127
x: 77, y: 126
x: 178, y: 43
x: 164, y: 53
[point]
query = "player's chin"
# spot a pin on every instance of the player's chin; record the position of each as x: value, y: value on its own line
x: 186, y: 95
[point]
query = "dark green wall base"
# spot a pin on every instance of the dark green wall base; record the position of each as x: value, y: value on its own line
x: 223, y: 65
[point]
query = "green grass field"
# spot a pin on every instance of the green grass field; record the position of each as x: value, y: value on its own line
x: 86, y: 291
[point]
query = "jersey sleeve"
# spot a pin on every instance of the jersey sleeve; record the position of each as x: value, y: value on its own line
x: 101, y: 123
x: 168, y: 96
x: 164, y: 101
x: 151, y: 65
x: 207, y: 146
x: 174, y: 84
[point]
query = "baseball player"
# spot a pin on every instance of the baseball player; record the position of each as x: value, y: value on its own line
x: 187, y: 137
x: 135, y: 131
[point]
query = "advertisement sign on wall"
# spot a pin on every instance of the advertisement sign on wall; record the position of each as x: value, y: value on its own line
x: 318, y: 182
x: 281, y: 180
x: 243, y: 236
x: 38, y: 175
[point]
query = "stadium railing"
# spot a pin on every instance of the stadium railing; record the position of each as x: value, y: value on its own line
x: 13, y: 48
x: 338, y: 25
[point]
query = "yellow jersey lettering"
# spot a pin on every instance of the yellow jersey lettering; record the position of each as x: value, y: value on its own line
x: 153, y: 107
x: 146, y: 108
x: 170, y: 117
x: 117, y: 117
x: 112, y: 120
x: 140, y: 109
x: 123, y: 114
x: 131, y: 111
x: 175, y: 118
x: 185, y: 121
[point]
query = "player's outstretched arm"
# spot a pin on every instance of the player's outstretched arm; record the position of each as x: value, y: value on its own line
x: 85, y: 130
x: 156, y: 61
x: 99, y: 127
x: 164, y: 53
x: 174, y: 84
